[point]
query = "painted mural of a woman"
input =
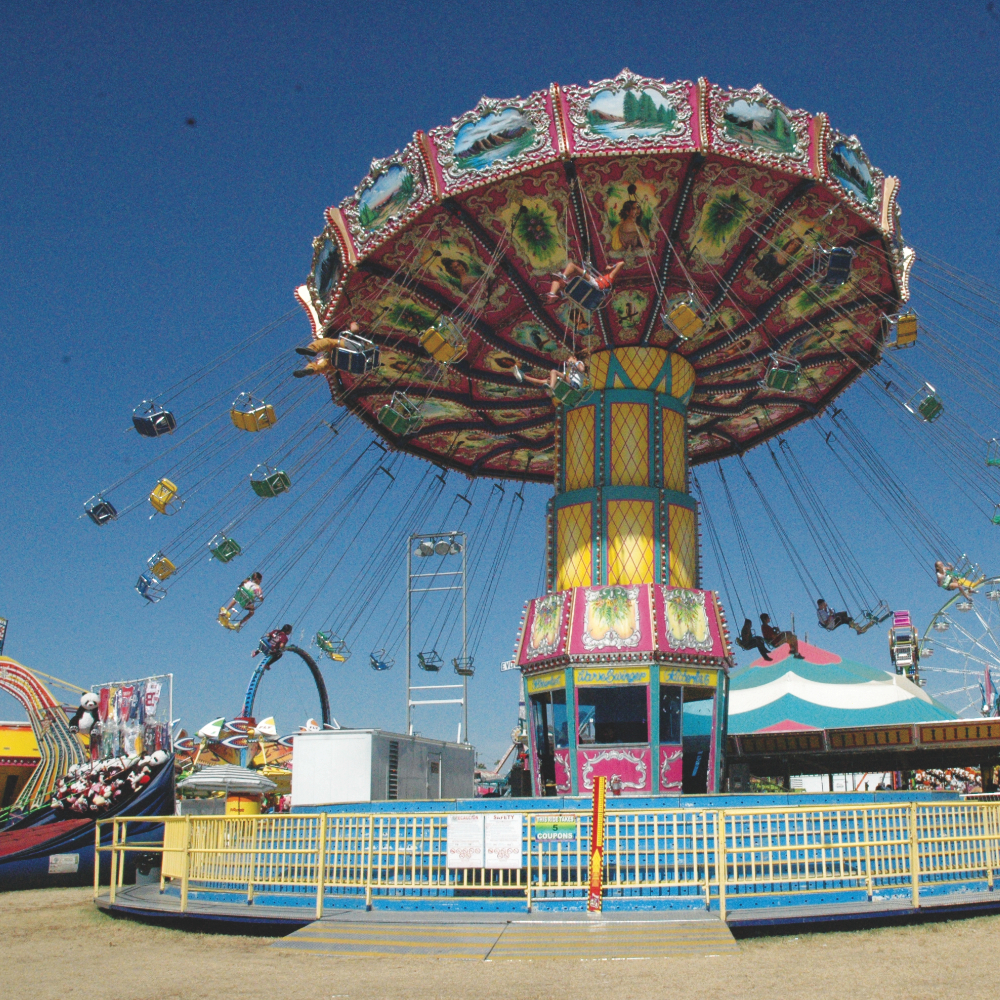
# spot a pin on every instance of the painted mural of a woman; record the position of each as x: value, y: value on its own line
x: 459, y: 272
x: 628, y: 234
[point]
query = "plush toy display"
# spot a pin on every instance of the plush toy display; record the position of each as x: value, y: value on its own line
x: 90, y: 789
x: 86, y: 715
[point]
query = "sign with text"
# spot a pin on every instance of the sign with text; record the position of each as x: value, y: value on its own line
x: 465, y: 841
x: 557, y: 827
x: 503, y: 840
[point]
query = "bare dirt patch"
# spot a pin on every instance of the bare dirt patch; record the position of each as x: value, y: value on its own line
x: 55, y: 944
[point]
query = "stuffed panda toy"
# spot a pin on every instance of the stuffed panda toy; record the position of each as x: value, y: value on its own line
x: 86, y: 715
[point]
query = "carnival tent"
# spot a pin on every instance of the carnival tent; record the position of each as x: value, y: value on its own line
x: 823, y: 691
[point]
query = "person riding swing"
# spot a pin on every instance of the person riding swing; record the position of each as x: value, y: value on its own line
x: 775, y: 638
x: 948, y: 579
x: 322, y: 351
x: 572, y: 373
x: 747, y: 640
x: 564, y: 284
x: 831, y: 620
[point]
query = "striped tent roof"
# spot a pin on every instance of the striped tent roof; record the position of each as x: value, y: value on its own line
x: 823, y: 691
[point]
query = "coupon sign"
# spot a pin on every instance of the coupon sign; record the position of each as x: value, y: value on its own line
x: 557, y: 827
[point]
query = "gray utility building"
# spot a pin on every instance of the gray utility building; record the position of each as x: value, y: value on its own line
x: 369, y: 765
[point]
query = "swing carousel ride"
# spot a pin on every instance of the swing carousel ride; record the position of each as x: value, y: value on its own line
x: 725, y: 267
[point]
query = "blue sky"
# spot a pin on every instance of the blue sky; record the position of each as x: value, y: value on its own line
x: 135, y: 247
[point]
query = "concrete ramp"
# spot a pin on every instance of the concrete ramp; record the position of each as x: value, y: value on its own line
x: 506, y: 937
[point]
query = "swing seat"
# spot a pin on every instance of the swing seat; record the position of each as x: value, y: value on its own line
x: 925, y: 404
x: 356, y: 355
x: 401, y: 416
x: 264, y: 646
x: 225, y: 622
x: 464, y: 666
x: 564, y: 393
x: 224, y: 549
x: 930, y: 408
x: 249, y: 417
x: 164, y: 497
x: 271, y: 484
x: 585, y: 294
x: 246, y: 598
x: 379, y: 661
x: 833, y: 267
x: 685, y: 320
x: 964, y: 605
x: 160, y: 566
x: 783, y: 375
x: 995, y: 519
x: 444, y: 341
x: 906, y: 330
x: 146, y: 586
x: 993, y: 453
x: 100, y: 511
x: 151, y: 420
x: 430, y: 661
x: 333, y: 646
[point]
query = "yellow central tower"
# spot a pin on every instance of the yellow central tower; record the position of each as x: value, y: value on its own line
x: 621, y: 513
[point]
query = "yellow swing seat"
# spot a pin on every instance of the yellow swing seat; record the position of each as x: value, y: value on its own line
x: 164, y: 497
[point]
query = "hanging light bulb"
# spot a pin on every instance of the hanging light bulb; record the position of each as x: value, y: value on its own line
x: 442, y: 548
x: 425, y: 548
x: 455, y: 548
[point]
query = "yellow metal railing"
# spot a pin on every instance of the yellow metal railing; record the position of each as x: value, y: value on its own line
x: 724, y: 858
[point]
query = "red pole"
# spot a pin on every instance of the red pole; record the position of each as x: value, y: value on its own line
x: 594, y: 900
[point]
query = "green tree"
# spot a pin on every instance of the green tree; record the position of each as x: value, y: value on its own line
x: 647, y: 109
x: 630, y: 106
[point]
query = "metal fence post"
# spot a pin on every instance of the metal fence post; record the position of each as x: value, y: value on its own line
x: 186, y: 864
x: 321, y: 867
x: 527, y: 888
x: 97, y: 858
x: 704, y: 844
x: 720, y: 860
x: 371, y: 852
x: 114, y: 861
x: 914, y: 856
x: 988, y: 824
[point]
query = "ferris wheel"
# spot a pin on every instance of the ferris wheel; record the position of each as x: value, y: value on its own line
x: 963, y: 638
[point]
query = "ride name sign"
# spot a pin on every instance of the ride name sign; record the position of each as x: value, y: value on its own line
x: 491, y: 840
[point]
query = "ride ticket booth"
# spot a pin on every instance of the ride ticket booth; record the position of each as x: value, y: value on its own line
x: 629, y: 683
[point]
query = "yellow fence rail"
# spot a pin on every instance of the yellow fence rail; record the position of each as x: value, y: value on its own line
x: 711, y: 858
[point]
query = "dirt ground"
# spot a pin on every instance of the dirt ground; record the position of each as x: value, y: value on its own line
x: 55, y: 944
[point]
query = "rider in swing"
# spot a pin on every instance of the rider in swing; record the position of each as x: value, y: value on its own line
x: 273, y: 644
x: 831, y: 620
x: 602, y: 282
x: 322, y: 350
x: 948, y: 579
x: 572, y: 374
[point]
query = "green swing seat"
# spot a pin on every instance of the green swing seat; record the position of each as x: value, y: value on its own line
x: 401, y: 416
x: 784, y: 374
x: 272, y: 484
x: 567, y: 395
x: 224, y: 549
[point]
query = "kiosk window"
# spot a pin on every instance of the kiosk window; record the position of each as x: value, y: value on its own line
x: 548, y: 714
x: 670, y: 715
x: 613, y: 715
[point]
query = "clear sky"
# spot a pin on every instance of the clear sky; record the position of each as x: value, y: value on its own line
x: 134, y: 247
